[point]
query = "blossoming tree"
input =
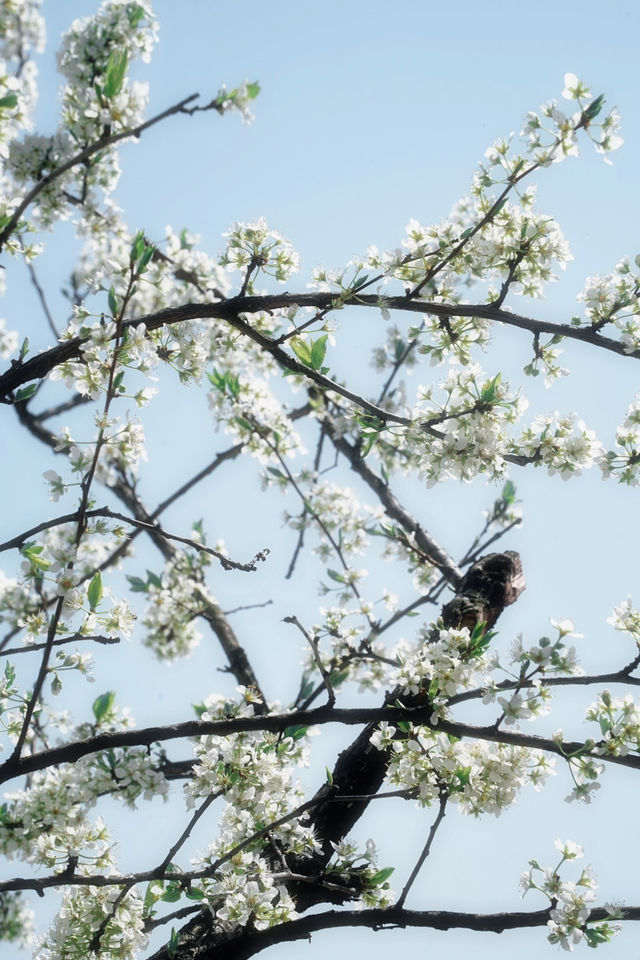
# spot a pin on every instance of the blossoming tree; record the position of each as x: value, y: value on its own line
x: 282, y: 859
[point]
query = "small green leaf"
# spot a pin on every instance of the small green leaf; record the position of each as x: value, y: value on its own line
x: 380, y: 877
x: 302, y: 351
x: 243, y: 422
x: 31, y: 552
x: 150, y: 896
x: 295, y: 732
x: 318, y: 351
x: 194, y: 895
x: 276, y: 473
x: 103, y: 704
x: 171, y: 894
x: 329, y: 776
x: 137, y: 584
x: 9, y: 100
x: 146, y: 258
x: 593, y: 109
x: 253, y: 89
x: 114, y: 75
x: 154, y: 580
x: 137, y: 247
x: 24, y: 349
x: 336, y: 576
x: 113, y: 302
x: 24, y: 393
x: 136, y: 13
x: 172, y: 945
x: 94, y: 590
x: 509, y: 492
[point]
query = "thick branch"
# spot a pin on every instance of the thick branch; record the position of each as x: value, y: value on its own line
x: 250, y: 942
x: 230, y: 311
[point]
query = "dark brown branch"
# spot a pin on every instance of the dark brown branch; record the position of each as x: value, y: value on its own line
x: 248, y: 943
x: 230, y: 310
x: 424, y: 541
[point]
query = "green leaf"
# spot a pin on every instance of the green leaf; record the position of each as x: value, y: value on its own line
x: 463, y: 774
x: 31, y: 552
x: 253, y: 89
x: 302, y: 351
x: 150, y: 897
x: 509, y: 492
x: 488, y: 393
x: 276, y: 473
x: 336, y: 576
x: 24, y: 349
x: 198, y: 527
x: 154, y: 580
x: 114, y: 75
x: 318, y: 351
x: 338, y: 677
x: 24, y: 393
x: 103, y: 704
x: 329, y: 776
x: 243, y: 422
x: 593, y: 109
x: 194, y: 895
x: 137, y: 584
x: 135, y: 13
x: 380, y: 877
x: 9, y: 100
x: 113, y: 302
x: 94, y: 590
x: 137, y: 247
x: 146, y: 258
x: 171, y: 894
x: 233, y: 384
x: 295, y: 732
x: 369, y: 422
x: 172, y: 945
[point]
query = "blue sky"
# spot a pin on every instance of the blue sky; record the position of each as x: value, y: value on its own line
x: 372, y: 113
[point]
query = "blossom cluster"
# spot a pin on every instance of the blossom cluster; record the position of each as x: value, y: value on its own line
x: 465, y: 433
x: 254, y: 246
x: 89, y: 911
x: 624, y: 462
x: 175, y: 599
x: 480, y: 777
x: 254, y: 773
x: 569, y: 921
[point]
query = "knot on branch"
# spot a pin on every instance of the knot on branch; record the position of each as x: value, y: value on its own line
x: 490, y: 585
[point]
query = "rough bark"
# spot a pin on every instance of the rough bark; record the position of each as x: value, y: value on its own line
x: 490, y: 584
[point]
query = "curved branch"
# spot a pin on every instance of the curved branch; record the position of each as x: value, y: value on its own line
x: 230, y: 310
x: 279, y: 722
x: 251, y: 942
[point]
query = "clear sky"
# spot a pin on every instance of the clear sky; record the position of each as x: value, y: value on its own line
x: 372, y: 113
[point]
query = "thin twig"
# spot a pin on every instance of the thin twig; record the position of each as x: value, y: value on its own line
x: 426, y: 849
x: 313, y: 643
